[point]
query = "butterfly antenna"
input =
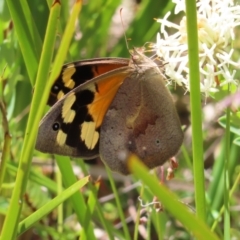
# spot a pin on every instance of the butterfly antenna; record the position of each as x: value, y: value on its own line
x: 124, y: 29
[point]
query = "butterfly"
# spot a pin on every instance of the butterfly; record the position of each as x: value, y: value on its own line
x: 111, y: 107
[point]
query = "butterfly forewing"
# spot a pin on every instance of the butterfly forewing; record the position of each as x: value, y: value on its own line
x: 74, y: 74
x: 72, y: 126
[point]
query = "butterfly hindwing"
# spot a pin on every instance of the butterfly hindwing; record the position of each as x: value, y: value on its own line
x: 141, y: 120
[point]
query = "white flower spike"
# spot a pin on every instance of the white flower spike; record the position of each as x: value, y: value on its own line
x: 216, y: 22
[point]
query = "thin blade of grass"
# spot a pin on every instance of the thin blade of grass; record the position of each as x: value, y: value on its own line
x: 233, y: 189
x: 36, y: 177
x: 227, y: 225
x: 170, y: 202
x: 92, y: 199
x: 24, y: 38
x: 106, y: 226
x: 37, y: 107
x: 35, y: 37
x: 196, y: 111
x: 47, y: 208
x: 65, y: 42
x: 118, y: 203
x: 78, y: 202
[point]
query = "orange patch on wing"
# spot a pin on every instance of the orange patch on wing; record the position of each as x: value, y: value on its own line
x: 107, y: 90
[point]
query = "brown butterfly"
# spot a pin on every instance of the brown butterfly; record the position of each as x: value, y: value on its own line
x: 111, y: 107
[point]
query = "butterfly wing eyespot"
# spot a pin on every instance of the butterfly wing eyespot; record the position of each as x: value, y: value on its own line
x: 55, y: 88
x: 55, y: 126
x: 157, y: 142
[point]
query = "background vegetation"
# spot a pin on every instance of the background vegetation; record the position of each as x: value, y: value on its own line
x: 108, y: 206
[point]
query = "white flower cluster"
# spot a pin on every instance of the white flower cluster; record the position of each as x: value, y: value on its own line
x: 216, y: 22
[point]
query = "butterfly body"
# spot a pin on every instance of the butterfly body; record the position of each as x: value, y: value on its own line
x: 123, y: 111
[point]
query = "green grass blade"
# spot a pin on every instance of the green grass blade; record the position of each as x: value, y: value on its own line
x: 24, y: 38
x: 120, y: 211
x: 108, y: 227
x: 35, y: 37
x: 4, y: 158
x: 92, y: 200
x: 196, y: 111
x: 37, y: 107
x: 47, y: 208
x: 178, y: 210
x: 63, y: 49
x: 227, y: 225
x: 233, y: 189
x: 77, y: 199
x: 36, y: 177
